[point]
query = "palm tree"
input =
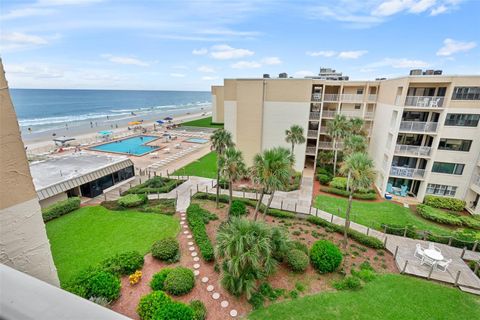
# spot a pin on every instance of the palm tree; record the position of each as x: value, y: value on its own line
x: 337, y: 128
x: 354, y: 143
x: 359, y: 168
x: 233, y: 168
x: 221, y: 141
x: 294, y: 135
x: 271, y: 169
x: 356, y: 126
x: 246, y: 251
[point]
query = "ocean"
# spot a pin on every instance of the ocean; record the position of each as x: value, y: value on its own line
x: 40, y: 110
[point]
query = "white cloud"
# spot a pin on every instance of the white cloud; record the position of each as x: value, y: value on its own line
x: 326, y: 54
x: 352, y: 54
x: 225, y: 52
x: 209, y: 78
x: 438, y: 10
x: 200, y: 52
x: 271, y: 60
x: 25, y: 12
x: 11, y: 41
x: 303, y: 74
x: 37, y: 71
x: 66, y: 2
x: 246, y: 65
x: 228, y: 32
x: 206, y: 69
x: 397, y: 63
x: 391, y: 7
x: 177, y: 75
x: 451, y: 47
x: 125, y: 60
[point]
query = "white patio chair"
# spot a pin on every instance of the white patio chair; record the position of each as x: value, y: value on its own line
x: 428, y: 261
x: 418, y: 252
x: 434, y: 102
x: 431, y: 246
x: 443, y: 265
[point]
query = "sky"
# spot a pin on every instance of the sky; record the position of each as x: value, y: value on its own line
x: 191, y: 45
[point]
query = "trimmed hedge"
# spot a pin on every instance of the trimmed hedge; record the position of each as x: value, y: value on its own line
x: 158, y: 279
x: 132, y: 200
x: 123, y: 263
x: 339, y: 183
x: 197, y: 225
x: 60, y: 208
x: 179, y: 281
x: 95, y: 282
x: 199, y: 310
x: 444, y: 202
x: 355, y: 235
x: 174, y: 311
x: 155, y: 185
x: 297, y: 260
x: 238, y: 208
x: 438, y: 215
x: 471, y: 222
x: 325, y: 256
x: 324, y: 179
x: 344, y: 193
x: 151, y: 303
x: 166, y: 249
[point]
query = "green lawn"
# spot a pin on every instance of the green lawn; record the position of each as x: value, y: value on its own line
x: 388, y: 297
x: 90, y: 234
x: 374, y: 214
x: 204, y: 123
x: 206, y: 167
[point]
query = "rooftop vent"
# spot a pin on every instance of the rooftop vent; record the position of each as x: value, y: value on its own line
x: 283, y: 75
x: 420, y: 72
x: 266, y: 76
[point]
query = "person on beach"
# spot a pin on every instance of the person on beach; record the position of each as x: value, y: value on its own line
x: 66, y: 126
x: 91, y: 124
x: 107, y: 117
x: 29, y: 130
x: 116, y: 126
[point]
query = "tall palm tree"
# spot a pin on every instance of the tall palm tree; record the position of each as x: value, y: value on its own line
x: 271, y: 169
x: 294, y: 135
x: 221, y: 141
x: 356, y: 126
x: 359, y: 168
x: 354, y: 143
x: 337, y: 128
x: 233, y: 168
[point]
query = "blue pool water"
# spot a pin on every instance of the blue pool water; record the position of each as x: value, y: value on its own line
x: 135, y: 146
x: 197, y: 140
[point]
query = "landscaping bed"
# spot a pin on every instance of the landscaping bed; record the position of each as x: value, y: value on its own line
x: 155, y: 185
x: 202, y: 123
x: 162, y: 206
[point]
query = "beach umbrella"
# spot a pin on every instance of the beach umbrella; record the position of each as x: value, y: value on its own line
x: 105, y: 133
x: 160, y: 121
x: 168, y: 118
x: 134, y: 123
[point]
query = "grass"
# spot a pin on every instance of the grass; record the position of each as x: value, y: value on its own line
x: 205, y: 167
x: 90, y: 234
x: 388, y: 297
x: 374, y: 214
x: 203, y: 123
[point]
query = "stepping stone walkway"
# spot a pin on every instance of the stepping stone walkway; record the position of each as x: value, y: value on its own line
x: 190, y: 243
x: 196, y: 259
x: 191, y: 248
x: 194, y: 254
x: 216, y: 296
x: 205, y: 279
x: 224, y: 303
x: 182, y: 222
x: 189, y: 236
x: 233, y: 313
x: 210, y: 288
x: 186, y: 232
x: 196, y: 272
x: 196, y: 266
x: 185, y: 226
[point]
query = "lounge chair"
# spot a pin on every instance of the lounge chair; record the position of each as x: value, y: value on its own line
x: 443, y: 265
x: 403, y: 191
x: 419, y: 252
x: 389, y: 188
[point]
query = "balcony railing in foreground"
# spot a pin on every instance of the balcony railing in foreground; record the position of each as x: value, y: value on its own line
x: 424, y: 102
x: 476, y: 180
x: 311, y: 150
x: 407, y: 172
x: 314, y: 115
x: 412, y: 150
x: 329, y: 145
x: 330, y: 97
x: 417, y: 126
x: 312, y: 133
x: 317, y: 97
x: 352, y: 97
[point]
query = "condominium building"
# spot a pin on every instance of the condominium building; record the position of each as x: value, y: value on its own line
x: 423, y: 131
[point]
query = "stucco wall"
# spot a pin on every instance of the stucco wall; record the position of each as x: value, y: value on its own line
x: 231, y: 118
x: 218, y: 104
x: 52, y: 200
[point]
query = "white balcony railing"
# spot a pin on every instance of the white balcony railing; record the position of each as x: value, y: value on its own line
x: 324, y: 129
x: 369, y: 115
x: 317, y: 97
x: 314, y: 115
x: 352, y: 114
x: 424, y: 102
x: 418, y: 126
x: 352, y: 97
x: 476, y: 180
x: 372, y: 97
x: 329, y: 145
x: 311, y: 150
x: 328, y: 114
x: 407, y: 172
x: 412, y: 150
x: 330, y: 97
x: 312, y: 133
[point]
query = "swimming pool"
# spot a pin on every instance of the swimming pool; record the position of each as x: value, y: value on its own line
x: 197, y: 140
x: 134, y: 146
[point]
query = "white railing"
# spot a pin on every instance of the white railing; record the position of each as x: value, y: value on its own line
x: 324, y: 129
x: 418, y: 126
x: 407, y: 172
x: 330, y: 97
x: 424, y: 102
x: 312, y: 133
x: 352, y: 97
x: 372, y: 97
x: 328, y: 114
x: 476, y: 180
x: 311, y: 150
x: 314, y: 115
x: 317, y: 97
x: 329, y: 145
x: 412, y: 150
x: 369, y: 115
x: 352, y: 114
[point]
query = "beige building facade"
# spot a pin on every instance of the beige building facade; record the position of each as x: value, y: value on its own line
x: 423, y: 131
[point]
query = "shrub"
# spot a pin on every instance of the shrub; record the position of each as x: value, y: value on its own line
x: 199, y: 310
x: 132, y: 200
x: 166, y: 249
x: 270, y: 293
x: 179, y: 281
x: 360, y: 196
x: 339, y: 183
x: 60, y: 208
x: 297, y: 260
x: 325, y: 256
x: 94, y: 282
x: 470, y: 222
x: 158, y: 279
x: 444, y: 202
x: 299, y: 246
x: 294, y: 182
x: 364, y: 274
x: 438, y: 215
x: 279, y: 242
x: 256, y: 300
x: 155, y: 185
x: 123, y: 263
x: 348, y: 283
x: 324, y: 179
x: 238, y: 208
x: 325, y: 171
x: 174, y: 310
x: 151, y: 303
x: 197, y: 225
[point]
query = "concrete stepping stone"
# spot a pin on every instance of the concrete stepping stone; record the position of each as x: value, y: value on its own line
x: 185, y: 226
x: 182, y: 222
x: 194, y: 254
x: 189, y: 236
x: 224, y: 303
x: 186, y: 232
x: 216, y: 296
x: 196, y: 266
x: 191, y: 248
x: 196, y: 272
x: 205, y: 279
x: 210, y: 288
x: 196, y: 259
x: 183, y: 218
x: 233, y: 313
x: 190, y: 243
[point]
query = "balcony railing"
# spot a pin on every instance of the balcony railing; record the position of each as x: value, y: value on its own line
x: 324, y: 130
x: 369, y: 115
x: 329, y: 114
x: 330, y: 97
x: 311, y: 150
x: 407, y: 172
x: 329, y: 145
x: 418, y: 126
x: 476, y: 180
x: 312, y: 133
x: 413, y: 150
x: 315, y: 115
x: 352, y: 97
x: 317, y: 97
x: 372, y: 97
x: 424, y: 102
x: 352, y: 114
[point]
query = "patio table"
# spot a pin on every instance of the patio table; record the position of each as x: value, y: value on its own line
x: 433, y: 254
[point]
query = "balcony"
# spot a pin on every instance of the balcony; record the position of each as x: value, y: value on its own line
x: 317, y: 97
x: 418, y: 126
x: 352, y: 97
x: 323, y: 130
x: 369, y: 115
x: 351, y: 114
x: 424, y: 102
x: 407, y: 172
x: 329, y: 145
x: 329, y: 97
x: 476, y: 180
x: 315, y: 115
x: 372, y: 98
x: 311, y: 150
x: 312, y: 134
x: 418, y: 151
x: 329, y: 114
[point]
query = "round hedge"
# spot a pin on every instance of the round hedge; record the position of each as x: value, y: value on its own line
x: 131, y: 200
x: 238, y: 208
x: 158, y: 279
x: 174, y: 310
x: 199, y: 310
x: 123, y: 263
x: 179, y: 281
x: 325, y: 256
x: 103, y: 284
x: 166, y: 250
x: 299, y: 245
x: 297, y: 260
x: 151, y: 303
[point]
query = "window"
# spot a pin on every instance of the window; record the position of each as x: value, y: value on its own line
x: 441, y: 190
x: 359, y: 91
x: 462, y: 119
x: 358, y: 106
x: 454, y: 144
x: 449, y: 168
x: 466, y: 93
